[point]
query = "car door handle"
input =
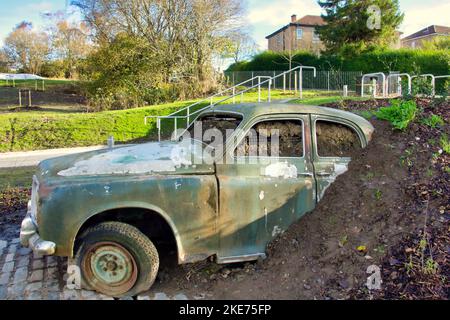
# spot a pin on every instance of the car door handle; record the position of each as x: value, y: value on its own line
x: 304, y: 174
x: 323, y: 174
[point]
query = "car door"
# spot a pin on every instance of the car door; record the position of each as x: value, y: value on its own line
x: 261, y: 194
x: 334, y: 142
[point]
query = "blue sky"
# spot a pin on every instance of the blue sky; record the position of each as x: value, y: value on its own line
x: 264, y: 16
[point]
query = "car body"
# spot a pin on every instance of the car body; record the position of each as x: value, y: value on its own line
x: 228, y: 211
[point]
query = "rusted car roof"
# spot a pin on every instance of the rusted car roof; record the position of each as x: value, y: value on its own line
x: 251, y: 110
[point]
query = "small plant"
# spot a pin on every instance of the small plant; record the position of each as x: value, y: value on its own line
x: 433, y: 121
x: 431, y: 266
x: 445, y: 144
x: 378, y: 194
x: 400, y: 113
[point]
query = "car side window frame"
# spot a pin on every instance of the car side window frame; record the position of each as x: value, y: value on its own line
x: 250, y: 124
x: 340, y: 121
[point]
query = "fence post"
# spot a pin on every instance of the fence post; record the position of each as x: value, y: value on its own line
x: 253, y: 75
x: 270, y: 85
x: 234, y: 95
x: 345, y: 90
x: 29, y: 98
x: 374, y: 85
x: 259, y: 89
x: 20, y: 98
x: 300, y: 86
x: 328, y: 80
x: 295, y: 82
x: 274, y: 81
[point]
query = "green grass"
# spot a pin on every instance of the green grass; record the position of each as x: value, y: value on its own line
x: 17, y: 177
x: 31, y: 84
x: 34, y: 130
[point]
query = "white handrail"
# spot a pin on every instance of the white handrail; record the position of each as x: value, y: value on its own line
x: 433, y: 81
x: 399, y: 75
x: 371, y: 75
x: 269, y: 81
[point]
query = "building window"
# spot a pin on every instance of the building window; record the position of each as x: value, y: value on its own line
x: 299, y: 33
x: 316, y: 36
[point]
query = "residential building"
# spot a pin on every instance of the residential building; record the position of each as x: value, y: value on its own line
x: 429, y: 33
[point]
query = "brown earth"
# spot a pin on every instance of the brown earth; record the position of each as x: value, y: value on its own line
x: 391, y: 209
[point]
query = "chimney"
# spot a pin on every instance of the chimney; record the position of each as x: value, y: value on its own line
x: 294, y: 18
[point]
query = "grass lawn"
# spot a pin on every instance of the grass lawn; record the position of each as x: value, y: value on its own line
x: 35, y: 130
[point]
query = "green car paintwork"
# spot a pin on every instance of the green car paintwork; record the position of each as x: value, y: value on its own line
x: 228, y: 211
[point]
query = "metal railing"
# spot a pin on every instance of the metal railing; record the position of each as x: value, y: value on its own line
x: 187, y: 114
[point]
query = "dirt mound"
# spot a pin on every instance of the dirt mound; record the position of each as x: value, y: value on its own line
x: 394, y: 196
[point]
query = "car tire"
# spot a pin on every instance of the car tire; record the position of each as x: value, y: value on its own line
x: 116, y: 259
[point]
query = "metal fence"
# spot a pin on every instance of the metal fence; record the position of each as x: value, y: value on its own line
x: 325, y: 80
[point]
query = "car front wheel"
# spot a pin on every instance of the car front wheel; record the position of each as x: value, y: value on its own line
x: 116, y: 259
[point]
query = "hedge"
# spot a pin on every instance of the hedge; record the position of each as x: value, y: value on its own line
x: 411, y: 61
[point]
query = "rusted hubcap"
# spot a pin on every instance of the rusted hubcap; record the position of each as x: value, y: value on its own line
x: 110, y: 268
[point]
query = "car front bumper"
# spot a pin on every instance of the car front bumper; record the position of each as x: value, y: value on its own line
x: 29, y: 238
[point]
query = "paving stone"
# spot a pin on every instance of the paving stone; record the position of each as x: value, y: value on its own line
x: 23, y: 261
x: 104, y: 297
x: 53, y: 296
x: 37, y: 286
x: 143, y: 298
x: 37, y: 275
x: 52, y: 273
x: 35, y: 295
x: 4, y: 278
x: 52, y: 286
x: 68, y: 294
x: 3, y: 244
x: 180, y: 296
x: 3, y: 292
x: 24, y: 251
x: 16, y: 290
x: 161, y: 296
x: 51, y: 262
x: 21, y: 275
x: 126, y: 298
x: 12, y: 248
x: 37, y: 256
x: 38, y: 264
x: 86, y: 294
x: 9, y: 257
x: 8, y: 267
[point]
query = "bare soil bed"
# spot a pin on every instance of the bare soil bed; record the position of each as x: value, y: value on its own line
x: 391, y: 209
x: 57, y: 98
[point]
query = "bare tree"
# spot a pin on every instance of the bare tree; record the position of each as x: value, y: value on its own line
x: 239, y: 46
x: 186, y: 33
x: 26, y: 48
x: 70, y: 40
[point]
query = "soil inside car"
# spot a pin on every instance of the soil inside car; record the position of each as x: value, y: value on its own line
x: 394, y: 195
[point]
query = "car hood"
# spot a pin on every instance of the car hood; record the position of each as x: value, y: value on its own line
x: 149, y: 158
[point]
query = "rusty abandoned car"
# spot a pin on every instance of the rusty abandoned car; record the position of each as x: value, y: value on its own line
x: 109, y: 209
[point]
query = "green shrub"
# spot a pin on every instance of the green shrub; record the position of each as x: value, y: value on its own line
x: 433, y: 121
x: 400, y: 113
x: 445, y: 144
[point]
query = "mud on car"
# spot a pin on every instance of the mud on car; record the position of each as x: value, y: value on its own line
x: 109, y: 210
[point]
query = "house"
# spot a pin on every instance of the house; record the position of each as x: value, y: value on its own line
x: 297, y: 35
x: 416, y: 39
x: 301, y: 35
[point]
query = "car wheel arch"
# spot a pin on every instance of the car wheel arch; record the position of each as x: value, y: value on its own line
x: 112, y: 215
